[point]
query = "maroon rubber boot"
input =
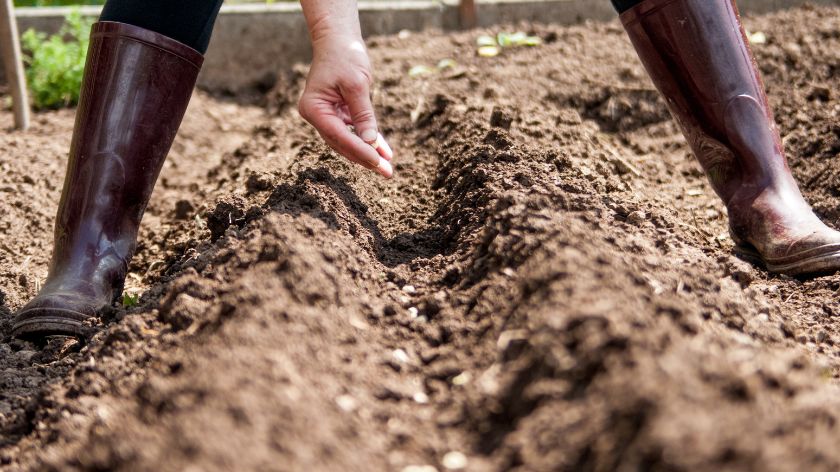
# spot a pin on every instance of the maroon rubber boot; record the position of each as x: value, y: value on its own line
x: 697, y: 54
x: 136, y: 88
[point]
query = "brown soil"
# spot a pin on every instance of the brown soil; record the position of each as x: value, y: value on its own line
x: 547, y: 284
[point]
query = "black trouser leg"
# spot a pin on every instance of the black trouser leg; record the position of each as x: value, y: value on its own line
x: 187, y: 21
x: 624, y: 5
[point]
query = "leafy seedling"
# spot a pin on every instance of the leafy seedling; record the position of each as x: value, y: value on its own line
x: 424, y: 70
x: 510, y: 39
x: 446, y: 64
x: 419, y: 71
x: 56, y: 64
x: 489, y: 51
x: 130, y: 301
x: 485, y: 40
x: 489, y: 46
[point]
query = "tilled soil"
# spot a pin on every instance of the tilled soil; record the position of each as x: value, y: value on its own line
x: 546, y: 284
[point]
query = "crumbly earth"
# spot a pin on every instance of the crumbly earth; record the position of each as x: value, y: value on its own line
x: 546, y: 284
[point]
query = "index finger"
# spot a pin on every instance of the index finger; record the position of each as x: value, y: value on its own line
x: 335, y: 132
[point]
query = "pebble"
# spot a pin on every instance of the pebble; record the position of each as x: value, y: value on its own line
x: 636, y: 218
x: 461, y: 379
x: 420, y: 398
x: 454, y: 460
x: 346, y: 403
x: 758, y: 38
x: 413, y: 312
x: 409, y: 289
x: 401, y: 356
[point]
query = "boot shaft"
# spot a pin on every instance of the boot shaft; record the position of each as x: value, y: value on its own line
x: 136, y: 88
x: 697, y: 54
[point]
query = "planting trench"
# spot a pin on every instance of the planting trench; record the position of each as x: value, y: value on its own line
x: 546, y: 284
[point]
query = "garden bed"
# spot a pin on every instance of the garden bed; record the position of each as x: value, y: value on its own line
x: 546, y: 283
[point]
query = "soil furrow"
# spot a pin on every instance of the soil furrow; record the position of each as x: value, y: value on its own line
x: 547, y: 283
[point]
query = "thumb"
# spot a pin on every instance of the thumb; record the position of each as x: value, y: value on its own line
x: 361, y: 112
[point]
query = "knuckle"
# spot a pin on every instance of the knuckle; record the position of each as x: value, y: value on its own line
x: 364, y: 116
x: 357, y: 83
x: 355, y: 86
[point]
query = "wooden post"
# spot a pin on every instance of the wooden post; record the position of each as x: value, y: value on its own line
x: 467, y: 14
x: 13, y: 64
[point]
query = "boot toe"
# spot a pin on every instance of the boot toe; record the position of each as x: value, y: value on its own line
x: 815, y: 254
x: 55, y: 314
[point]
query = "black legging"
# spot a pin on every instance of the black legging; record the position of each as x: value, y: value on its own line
x: 191, y: 21
x: 188, y: 21
x: 624, y: 5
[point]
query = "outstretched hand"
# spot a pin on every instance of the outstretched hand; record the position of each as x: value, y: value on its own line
x: 337, y: 102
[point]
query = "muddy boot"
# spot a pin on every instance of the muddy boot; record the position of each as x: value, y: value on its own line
x: 136, y: 89
x: 697, y: 55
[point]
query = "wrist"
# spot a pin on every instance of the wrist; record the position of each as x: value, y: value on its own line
x: 339, y: 47
x: 332, y: 27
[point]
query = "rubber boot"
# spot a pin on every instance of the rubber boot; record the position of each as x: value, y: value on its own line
x: 697, y: 54
x: 136, y: 88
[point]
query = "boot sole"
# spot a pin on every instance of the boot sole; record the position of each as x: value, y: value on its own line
x: 818, y: 261
x: 35, y: 327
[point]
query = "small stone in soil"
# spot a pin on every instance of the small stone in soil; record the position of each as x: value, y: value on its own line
x: 421, y: 398
x: 401, y: 356
x: 461, y: 379
x: 636, y: 218
x: 454, y: 460
x: 346, y: 403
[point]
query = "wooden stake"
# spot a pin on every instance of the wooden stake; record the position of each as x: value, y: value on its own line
x: 467, y: 14
x: 13, y: 64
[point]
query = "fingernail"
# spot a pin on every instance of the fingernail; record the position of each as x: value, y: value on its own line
x: 389, y: 153
x: 385, y: 168
x: 369, y: 136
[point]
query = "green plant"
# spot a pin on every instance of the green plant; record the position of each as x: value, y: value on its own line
x: 56, y: 63
x: 130, y: 301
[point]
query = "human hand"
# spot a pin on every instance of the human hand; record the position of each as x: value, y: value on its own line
x: 337, y: 96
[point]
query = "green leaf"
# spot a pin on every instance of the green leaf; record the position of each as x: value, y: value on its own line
x: 489, y: 51
x: 130, y: 300
x: 485, y: 40
x: 446, y: 64
x: 55, y: 64
x: 421, y: 70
